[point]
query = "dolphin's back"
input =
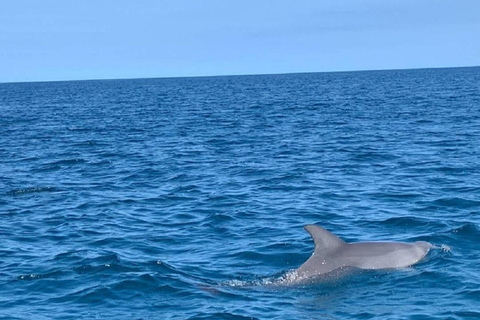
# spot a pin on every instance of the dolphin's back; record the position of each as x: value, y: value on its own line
x: 382, y: 255
x: 332, y: 253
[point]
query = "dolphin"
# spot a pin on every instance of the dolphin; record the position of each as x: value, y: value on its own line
x: 332, y: 253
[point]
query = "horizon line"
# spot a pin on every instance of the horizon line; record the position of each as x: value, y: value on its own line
x: 236, y: 75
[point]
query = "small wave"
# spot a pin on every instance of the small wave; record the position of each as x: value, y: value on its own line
x: 220, y: 315
x: 67, y: 162
x: 374, y: 156
x: 60, y: 164
x: 18, y: 192
x: 165, y: 266
x: 406, y: 221
x: 467, y: 230
x: 216, y: 218
x: 178, y: 177
x: 88, y: 143
x: 78, y: 129
x: 143, y: 281
x: 457, y: 202
x: 473, y: 294
x: 50, y: 274
x: 93, y: 294
x: 465, y: 314
x: 321, y: 104
x: 27, y: 277
x: 109, y: 263
x: 171, y: 197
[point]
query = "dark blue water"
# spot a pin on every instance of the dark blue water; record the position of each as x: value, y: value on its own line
x: 185, y: 198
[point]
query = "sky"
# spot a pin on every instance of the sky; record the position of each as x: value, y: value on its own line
x: 52, y: 40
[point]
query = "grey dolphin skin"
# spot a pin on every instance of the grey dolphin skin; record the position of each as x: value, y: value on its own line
x: 332, y: 253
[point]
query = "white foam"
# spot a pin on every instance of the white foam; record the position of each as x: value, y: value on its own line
x: 289, y: 277
x: 443, y: 247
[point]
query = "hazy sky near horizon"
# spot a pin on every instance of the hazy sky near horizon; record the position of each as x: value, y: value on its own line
x: 106, y: 39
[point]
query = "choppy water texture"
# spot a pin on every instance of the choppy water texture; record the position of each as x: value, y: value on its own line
x: 185, y: 198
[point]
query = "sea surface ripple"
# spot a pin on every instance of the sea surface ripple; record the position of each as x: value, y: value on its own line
x: 185, y: 198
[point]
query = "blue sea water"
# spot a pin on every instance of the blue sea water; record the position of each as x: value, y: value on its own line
x: 186, y: 198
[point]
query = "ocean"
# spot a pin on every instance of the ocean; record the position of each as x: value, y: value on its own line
x: 185, y: 198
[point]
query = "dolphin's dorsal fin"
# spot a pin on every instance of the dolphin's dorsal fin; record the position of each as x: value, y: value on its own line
x: 324, y: 240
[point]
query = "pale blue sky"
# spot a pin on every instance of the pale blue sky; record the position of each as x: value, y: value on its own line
x: 100, y: 39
